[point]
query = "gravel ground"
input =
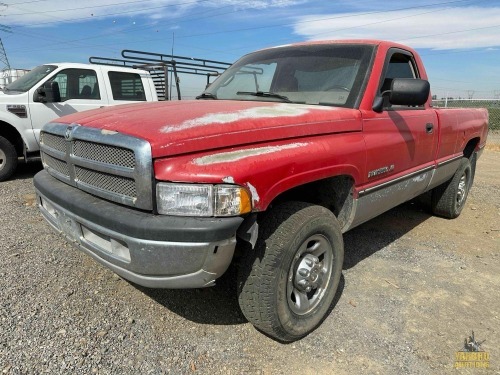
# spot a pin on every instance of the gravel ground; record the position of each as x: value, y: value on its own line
x: 413, y: 288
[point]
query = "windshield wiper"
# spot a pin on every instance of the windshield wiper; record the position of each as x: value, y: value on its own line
x: 265, y: 94
x: 207, y: 95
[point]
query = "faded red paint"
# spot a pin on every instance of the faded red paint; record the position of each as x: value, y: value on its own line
x: 272, y: 173
x: 163, y: 123
x: 333, y: 141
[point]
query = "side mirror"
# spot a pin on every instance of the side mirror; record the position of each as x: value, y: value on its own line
x: 404, y: 91
x: 48, y: 93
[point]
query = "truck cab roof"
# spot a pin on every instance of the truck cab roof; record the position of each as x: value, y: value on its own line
x: 100, y: 66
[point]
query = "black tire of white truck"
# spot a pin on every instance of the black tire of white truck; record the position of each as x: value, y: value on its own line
x: 286, y: 286
x: 8, y: 159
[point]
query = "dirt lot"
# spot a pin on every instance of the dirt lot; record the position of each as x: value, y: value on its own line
x: 413, y: 288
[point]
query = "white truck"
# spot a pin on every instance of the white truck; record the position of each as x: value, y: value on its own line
x: 53, y: 90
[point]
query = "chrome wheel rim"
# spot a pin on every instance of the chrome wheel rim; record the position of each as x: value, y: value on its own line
x: 2, y: 159
x: 462, y: 190
x: 309, y: 274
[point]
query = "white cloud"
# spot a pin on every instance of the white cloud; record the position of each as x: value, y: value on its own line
x: 436, y: 29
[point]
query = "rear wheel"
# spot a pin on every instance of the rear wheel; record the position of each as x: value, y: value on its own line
x: 473, y: 161
x: 286, y: 287
x: 8, y: 159
x: 448, y: 199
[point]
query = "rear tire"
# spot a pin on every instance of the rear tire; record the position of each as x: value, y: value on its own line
x: 473, y: 161
x: 8, y: 159
x: 286, y: 286
x: 448, y: 199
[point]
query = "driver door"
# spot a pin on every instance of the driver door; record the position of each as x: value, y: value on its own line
x: 80, y: 91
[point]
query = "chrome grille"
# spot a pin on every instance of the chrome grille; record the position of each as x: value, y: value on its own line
x: 113, y: 166
x: 56, y: 164
x: 104, y: 153
x: 105, y: 181
x: 53, y: 141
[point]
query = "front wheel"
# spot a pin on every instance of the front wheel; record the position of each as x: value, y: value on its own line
x: 287, y: 285
x: 448, y: 199
x: 8, y: 159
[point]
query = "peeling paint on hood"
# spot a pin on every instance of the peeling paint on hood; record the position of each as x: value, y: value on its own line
x: 226, y: 157
x: 271, y: 111
x: 181, y: 127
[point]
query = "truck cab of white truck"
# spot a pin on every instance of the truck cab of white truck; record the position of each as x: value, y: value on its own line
x: 53, y: 90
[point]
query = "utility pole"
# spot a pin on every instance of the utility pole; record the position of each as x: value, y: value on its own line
x: 4, y: 60
x: 470, y: 93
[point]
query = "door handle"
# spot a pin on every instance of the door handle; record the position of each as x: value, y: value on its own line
x: 429, y: 127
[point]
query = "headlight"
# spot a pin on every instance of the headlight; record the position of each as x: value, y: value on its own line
x: 202, y: 200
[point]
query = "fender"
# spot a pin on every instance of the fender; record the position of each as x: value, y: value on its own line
x: 14, y: 132
x: 270, y: 169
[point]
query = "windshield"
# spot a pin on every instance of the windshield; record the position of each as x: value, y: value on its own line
x: 330, y: 75
x: 30, y: 79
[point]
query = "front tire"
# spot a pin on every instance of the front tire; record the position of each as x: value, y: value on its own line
x: 448, y: 199
x: 287, y: 285
x: 8, y: 159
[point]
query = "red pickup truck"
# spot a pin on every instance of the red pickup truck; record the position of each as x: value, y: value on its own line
x: 285, y: 151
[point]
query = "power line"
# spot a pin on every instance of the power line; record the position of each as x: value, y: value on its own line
x: 279, y: 25
x: 108, y: 15
x: 453, y: 32
x: 392, y: 19
x: 332, y: 18
x: 75, y: 41
x: 350, y: 15
x: 230, y: 5
x: 79, y: 45
x: 106, y: 5
x: 138, y: 28
x: 26, y: 2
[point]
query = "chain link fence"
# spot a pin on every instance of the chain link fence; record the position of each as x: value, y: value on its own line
x: 492, y: 105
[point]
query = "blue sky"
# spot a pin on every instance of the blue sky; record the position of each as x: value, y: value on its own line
x: 459, y: 40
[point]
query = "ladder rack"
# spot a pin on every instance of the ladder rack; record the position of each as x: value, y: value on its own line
x: 160, y: 66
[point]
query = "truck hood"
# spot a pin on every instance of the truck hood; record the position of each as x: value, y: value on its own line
x: 188, y: 126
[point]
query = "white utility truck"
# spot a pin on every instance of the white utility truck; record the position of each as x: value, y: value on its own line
x: 53, y: 90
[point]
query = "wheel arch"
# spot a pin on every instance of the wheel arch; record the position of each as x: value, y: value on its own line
x: 10, y: 133
x: 334, y: 193
x: 471, y: 146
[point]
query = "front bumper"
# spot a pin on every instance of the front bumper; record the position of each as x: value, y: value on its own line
x: 150, y: 250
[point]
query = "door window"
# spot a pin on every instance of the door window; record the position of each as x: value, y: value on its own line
x: 401, y: 65
x: 126, y: 86
x: 77, y: 84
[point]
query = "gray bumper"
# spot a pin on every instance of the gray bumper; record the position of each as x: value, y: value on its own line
x: 157, y: 260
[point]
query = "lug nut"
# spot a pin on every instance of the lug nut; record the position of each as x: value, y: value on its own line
x: 302, y: 283
x: 303, y: 272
